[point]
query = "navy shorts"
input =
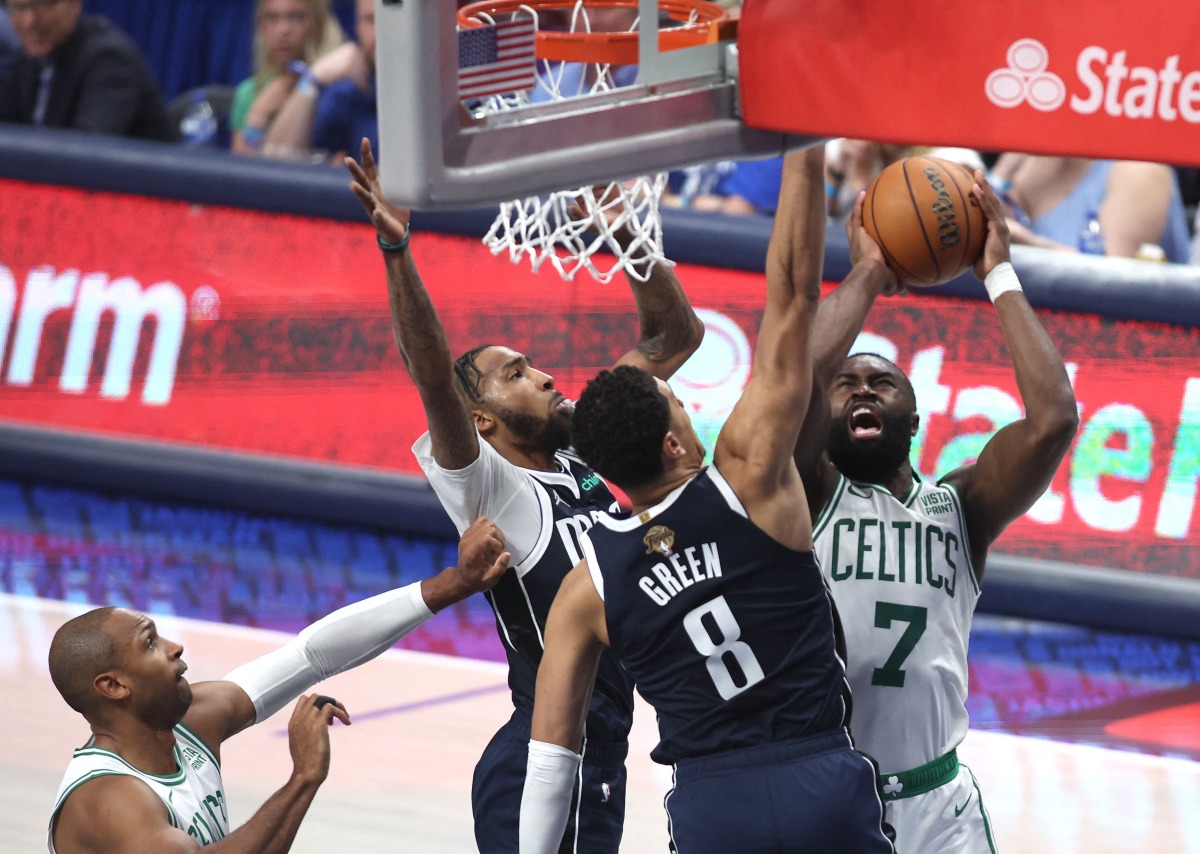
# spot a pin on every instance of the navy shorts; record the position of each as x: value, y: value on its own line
x: 597, y: 807
x: 814, y: 795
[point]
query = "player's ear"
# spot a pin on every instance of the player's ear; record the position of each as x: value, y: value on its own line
x: 672, y: 448
x: 485, y: 422
x: 916, y: 424
x: 110, y: 686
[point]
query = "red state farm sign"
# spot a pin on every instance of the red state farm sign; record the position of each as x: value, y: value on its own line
x: 267, y: 333
x: 1024, y: 75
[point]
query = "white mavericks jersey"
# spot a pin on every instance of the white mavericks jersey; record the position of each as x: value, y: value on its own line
x: 194, y: 795
x: 901, y: 576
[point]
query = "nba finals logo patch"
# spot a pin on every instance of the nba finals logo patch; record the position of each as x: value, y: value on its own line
x: 659, y: 539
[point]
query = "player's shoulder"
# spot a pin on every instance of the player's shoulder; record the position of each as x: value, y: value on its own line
x: 103, y: 803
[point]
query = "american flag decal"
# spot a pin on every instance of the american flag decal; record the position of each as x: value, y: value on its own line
x: 496, y: 59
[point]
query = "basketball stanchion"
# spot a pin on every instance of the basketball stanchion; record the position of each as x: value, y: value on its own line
x: 587, y: 48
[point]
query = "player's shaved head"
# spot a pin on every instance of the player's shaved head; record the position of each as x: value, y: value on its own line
x: 82, y: 649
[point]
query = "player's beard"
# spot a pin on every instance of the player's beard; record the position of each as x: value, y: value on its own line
x: 874, y: 460
x: 543, y: 434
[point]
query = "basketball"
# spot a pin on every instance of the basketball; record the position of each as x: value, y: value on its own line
x: 921, y: 212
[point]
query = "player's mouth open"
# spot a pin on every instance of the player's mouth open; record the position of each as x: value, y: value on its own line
x: 565, y: 405
x: 865, y: 422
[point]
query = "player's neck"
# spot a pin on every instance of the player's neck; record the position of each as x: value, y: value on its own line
x: 641, y: 499
x: 149, y: 750
x: 901, y: 482
x: 524, y: 456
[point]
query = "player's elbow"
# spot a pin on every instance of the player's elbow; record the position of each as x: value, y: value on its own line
x: 1056, y: 428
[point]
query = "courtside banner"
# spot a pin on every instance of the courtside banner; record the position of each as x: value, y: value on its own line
x: 268, y: 333
x: 1110, y: 80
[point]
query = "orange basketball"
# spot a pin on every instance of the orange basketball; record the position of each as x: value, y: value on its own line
x: 921, y: 212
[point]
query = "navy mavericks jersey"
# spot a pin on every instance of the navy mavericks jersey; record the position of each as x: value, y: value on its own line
x: 571, y: 501
x: 731, y: 636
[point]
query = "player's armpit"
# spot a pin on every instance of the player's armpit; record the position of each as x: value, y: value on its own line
x: 117, y: 814
x: 219, y: 710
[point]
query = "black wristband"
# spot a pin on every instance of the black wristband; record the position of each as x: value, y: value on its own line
x: 399, y: 246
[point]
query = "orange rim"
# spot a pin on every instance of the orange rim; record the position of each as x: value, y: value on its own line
x: 713, y: 23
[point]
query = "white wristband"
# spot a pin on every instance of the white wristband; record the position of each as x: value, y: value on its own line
x: 1001, y: 280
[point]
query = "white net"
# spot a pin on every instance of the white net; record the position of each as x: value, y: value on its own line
x: 605, y: 229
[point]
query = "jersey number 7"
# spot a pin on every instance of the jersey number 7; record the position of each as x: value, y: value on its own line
x: 885, y: 613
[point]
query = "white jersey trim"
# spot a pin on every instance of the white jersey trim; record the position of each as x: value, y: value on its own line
x: 735, y: 503
x: 593, y: 564
x: 633, y: 521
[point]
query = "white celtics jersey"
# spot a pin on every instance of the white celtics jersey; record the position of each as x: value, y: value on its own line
x: 901, y: 575
x: 194, y: 795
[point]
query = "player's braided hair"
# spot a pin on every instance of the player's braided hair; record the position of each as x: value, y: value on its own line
x: 619, y: 424
x: 468, y: 373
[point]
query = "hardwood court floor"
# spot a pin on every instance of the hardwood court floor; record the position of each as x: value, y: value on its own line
x: 400, y: 778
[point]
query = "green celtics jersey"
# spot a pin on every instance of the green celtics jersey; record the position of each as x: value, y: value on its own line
x: 194, y: 795
x: 900, y: 573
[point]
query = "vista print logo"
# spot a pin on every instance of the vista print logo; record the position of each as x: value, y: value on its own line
x: 1026, y: 79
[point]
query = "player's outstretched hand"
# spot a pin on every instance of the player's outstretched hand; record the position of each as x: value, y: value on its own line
x: 308, y: 737
x: 391, y: 221
x: 996, y: 247
x: 864, y: 250
x: 481, y: 556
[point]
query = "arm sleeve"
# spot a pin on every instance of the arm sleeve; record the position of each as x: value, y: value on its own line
x: 546, y: 800
x: 346, y: 638
x: 490, y: 486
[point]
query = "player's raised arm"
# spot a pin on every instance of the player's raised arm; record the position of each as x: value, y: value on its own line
x: 418, y: 330
x: 754, y: 451
x: 670, y: 331
x: 839, y: 322
x: 1019, y: 462
x: 575, y: 637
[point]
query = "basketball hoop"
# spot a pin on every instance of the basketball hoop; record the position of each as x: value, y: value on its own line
x: 580, y: 53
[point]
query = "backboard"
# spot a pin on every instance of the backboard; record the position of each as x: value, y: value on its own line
x: 439, y: 152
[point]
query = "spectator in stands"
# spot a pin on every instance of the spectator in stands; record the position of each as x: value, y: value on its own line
x: 1194, y: 257
x: 1050, y: 200
x: 79, y: 71
x: 290, y: 36
x: 751, y: 186
x: 10, y: 48
x: 332, y: 107
x: 729, y: 187
x: 852, y: 164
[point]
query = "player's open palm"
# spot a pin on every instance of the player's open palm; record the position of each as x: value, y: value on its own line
x: 308, y: 737
x: 391, y: 221
x: 864, y: 248
x: 482, y: 560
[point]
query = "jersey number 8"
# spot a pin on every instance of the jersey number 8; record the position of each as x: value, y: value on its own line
x: 724, y: 648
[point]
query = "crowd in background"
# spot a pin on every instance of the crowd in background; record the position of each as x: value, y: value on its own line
x: 310, y: 97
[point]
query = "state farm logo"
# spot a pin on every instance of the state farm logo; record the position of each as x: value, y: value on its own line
x: 160, y: 309
x: 1109, y: 83
x: 1026, y: 79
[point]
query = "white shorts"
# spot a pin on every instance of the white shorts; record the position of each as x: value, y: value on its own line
x: 950, y: 819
